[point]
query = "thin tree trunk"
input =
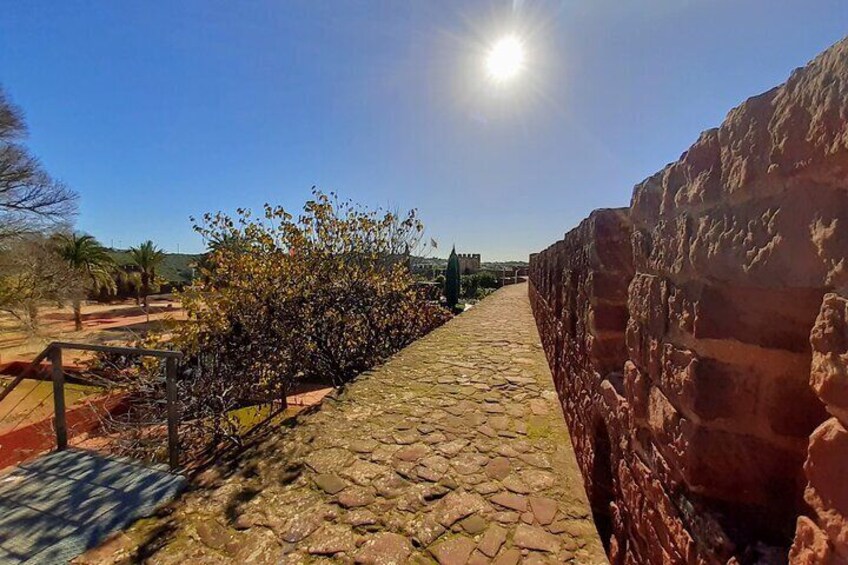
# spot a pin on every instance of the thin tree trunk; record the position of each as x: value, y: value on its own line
x: 145, y: 288
x: 77, y: 315
x: 32, y: 315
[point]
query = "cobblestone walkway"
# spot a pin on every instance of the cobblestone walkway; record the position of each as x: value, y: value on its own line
x: 454, y: 452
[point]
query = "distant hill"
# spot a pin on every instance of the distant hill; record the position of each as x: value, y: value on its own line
x: 176, y: 268
x: 498, y: 265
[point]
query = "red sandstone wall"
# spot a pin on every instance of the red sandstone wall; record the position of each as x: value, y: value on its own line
x: 822, y: 533
x: 690, y: 394
x: 581, y: 305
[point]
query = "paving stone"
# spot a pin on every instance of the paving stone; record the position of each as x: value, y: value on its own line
x: 246, y: 521
x: 363, y: 445
x: 514, y: 484
x: 458, y: 505
x: 540, y: 460
x: 300, y: 526
x: 492, y: 540
x: 355, y: 497
x: 360, y: 517
x: 212, y: 534
x: 390, y: 485
x: 499, y: 422
x: 487, y: 431
x: 435, y: 438
x: 385, y: 548
x: 487, y: 487
x: 257, y: 546
x: 449, y: 482
x: 508, y: 557
x: 510, y: 500
x: 544, y: 509
x: 426, y: 529
x: 467, y: 463
x: 539, y: 407
x: 451, y: 448
x: 574, y: 528
x: 474, y: 524
x: 434, y: 492
x: 537, y: 559
x: 506, y: 517
x: 428, y: 474
x: 498, y: 468
x: 453, y: 551
x: 507, y: 450
x: 522, y: 446
x: 412, y: 452
x: 406, y: 437
x: 362, y: 472
x: 531, y: 537
x: 405, y: 469
x: 557, y: 527
x: 332, y: 539
x: 536, y: 479
x: 478, y: 558
x: 330, y: 483
x: 329, y: 460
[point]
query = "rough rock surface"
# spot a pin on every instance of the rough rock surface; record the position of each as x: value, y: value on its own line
x: 698, y: 339
x: 824, y: 538
x: 410, y: 464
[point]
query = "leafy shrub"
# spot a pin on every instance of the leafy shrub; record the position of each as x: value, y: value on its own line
x: 321, y: 297
x: 473, y: 284
x: 483, y: 293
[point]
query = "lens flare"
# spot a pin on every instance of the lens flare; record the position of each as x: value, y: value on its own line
x: 505, y: 59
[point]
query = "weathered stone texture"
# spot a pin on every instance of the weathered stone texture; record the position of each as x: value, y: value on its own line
x: 698, y: 347
x: 454, y: 451
x: 823, y: 538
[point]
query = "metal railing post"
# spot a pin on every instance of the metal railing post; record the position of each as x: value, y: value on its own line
x: 59, y: 398
x: 171, y: 400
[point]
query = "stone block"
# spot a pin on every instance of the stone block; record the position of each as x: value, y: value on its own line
x: 827, y: 491
x: 829, y: 340
x: 766, y: 317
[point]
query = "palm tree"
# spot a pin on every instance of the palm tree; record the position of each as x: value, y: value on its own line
x: 92, y: 264
x: 147, y: 258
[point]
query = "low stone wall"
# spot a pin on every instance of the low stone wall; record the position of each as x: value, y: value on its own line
x: 679, y: 335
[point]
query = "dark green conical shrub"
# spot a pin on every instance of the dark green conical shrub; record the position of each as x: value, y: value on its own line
x: 452, y: 280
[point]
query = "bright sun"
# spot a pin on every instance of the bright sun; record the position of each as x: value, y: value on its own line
x: 505, y: 59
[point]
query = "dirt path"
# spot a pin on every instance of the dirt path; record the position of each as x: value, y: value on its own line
x: 102, y: 323
x: 455, y: 451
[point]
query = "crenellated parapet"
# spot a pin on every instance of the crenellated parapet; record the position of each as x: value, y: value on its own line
x: 699, y: 344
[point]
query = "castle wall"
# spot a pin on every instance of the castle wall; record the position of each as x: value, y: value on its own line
x: 679, y: 335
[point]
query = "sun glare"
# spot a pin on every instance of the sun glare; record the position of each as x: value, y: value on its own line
x: 505, y: 59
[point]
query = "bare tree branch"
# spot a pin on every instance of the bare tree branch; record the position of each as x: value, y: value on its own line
x: 30, y: 199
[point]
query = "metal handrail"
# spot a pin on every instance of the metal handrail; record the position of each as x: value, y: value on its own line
x: 161, y: 353
x: 23, y: 374
x: 54, y: 351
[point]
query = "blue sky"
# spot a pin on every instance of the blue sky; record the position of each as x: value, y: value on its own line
x: 156, y: 111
